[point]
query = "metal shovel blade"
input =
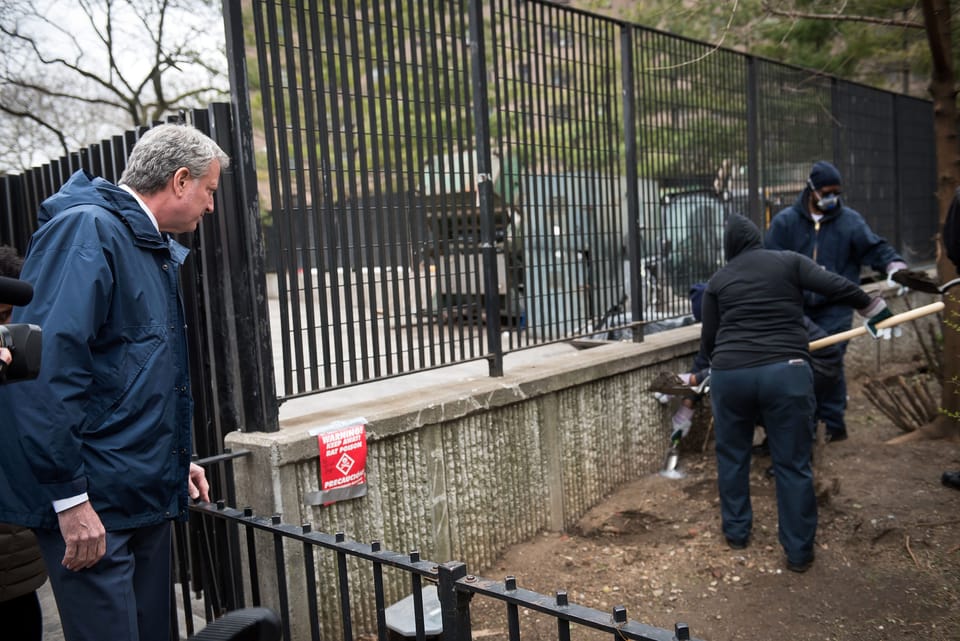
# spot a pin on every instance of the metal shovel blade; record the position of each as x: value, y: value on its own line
x: 670, y: 464
x: 920, y: 281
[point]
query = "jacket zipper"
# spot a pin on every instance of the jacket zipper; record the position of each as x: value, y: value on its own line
x: 816, y: 238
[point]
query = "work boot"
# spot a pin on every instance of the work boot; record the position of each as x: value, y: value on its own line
x: 951, y: 479
x: 734, y: 544
x: 800, y: 567
x: 835, y: 436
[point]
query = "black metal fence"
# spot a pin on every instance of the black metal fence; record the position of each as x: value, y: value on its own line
x: 446, y: 181
x: 440, y: 182
x: 225, y: 555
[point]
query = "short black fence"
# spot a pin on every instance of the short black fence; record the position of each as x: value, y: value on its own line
x: 238, y: 532
x: 224, y: 554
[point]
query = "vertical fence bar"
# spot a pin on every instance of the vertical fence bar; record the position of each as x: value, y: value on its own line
x: 416, y: 586
x: 204, y: 572
x: 252, y: 565
x: 183, y: 574
x: 513, y: 611
x: 344, y: 590
x: 630, y: 169
x: 488, y: 249
x: 753, y: 146
x: 378, y: 594
x: 454, y: 605
x: 281, y: 565
x: 619, y: 618
x: 312, y: 593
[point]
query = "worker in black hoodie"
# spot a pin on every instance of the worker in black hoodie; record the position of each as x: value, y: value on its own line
x: 754, y: 335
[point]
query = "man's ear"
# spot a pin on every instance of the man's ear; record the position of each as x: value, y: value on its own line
x: 180, y: 178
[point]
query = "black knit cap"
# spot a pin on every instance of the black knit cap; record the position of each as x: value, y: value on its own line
x: 824, y: 174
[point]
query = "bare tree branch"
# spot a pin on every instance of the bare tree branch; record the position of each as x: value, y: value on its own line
x: 105, y: 63
x: 30, y: 115
x: 841, y: 17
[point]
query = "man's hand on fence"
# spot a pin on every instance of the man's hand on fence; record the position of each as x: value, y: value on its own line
x: 197, y: 486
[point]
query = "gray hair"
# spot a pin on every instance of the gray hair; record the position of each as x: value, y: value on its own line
x: 164, y: 149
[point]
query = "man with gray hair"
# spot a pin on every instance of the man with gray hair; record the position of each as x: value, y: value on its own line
x: 97, y: 448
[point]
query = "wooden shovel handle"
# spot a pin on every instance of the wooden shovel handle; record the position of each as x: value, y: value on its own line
x: 913, y: 314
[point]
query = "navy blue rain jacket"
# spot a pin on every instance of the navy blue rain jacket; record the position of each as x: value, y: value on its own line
x: 842, y: 243
x: 111, y: 411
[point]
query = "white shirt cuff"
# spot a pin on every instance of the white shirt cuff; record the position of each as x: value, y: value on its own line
x: 65, y: 504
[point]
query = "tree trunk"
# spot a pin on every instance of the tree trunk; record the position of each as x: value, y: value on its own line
x: 943, y: 91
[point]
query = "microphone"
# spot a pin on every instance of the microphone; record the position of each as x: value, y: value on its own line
x: 14, y: 291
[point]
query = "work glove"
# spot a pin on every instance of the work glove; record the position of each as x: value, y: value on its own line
x: 662, y: 398
x: 892, y: 269
x: 704, y: 384
x: 874, y: 313
x: 681, y: 421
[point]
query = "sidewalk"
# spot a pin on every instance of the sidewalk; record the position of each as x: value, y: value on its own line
x: 51, y: 618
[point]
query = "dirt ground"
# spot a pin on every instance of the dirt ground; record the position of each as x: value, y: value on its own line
x: 887, y: 564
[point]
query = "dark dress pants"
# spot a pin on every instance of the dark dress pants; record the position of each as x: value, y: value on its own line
x: 124, y: 597
x: 780, y: 397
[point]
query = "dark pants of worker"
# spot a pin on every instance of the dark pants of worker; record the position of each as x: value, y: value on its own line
x: 780, y: 397
x: 832, y: 400
x: 827, y: 410
x: 124, y: 597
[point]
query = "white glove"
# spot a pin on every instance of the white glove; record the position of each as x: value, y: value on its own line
x: 892, y: 269
x: 685, y: 377
x: 662, y: 398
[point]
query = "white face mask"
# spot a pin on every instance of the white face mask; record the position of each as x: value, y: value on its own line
x: 825, y: 203
x: 828, y: 202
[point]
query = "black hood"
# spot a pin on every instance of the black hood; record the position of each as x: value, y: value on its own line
x: 739, y: 235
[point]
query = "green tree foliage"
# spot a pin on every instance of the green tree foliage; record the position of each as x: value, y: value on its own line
x: 877, y: 42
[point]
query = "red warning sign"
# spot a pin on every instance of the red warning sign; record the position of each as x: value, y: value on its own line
x: 343, y: 462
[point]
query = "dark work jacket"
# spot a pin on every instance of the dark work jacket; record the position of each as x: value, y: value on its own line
x: 111, y: 411
x: 842, y: 243
x: 753, y: 306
